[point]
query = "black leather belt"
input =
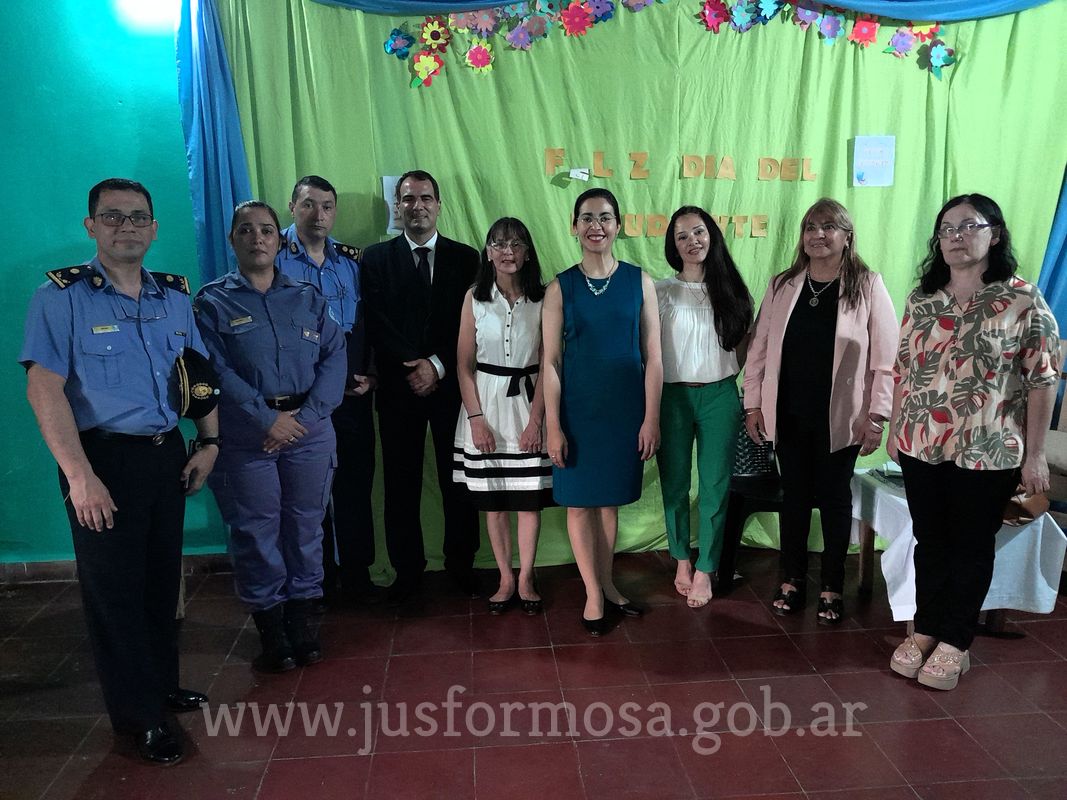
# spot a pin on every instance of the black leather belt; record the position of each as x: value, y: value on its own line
x: 154, y: 439
x: 516, y: 374
x: 287, y: 402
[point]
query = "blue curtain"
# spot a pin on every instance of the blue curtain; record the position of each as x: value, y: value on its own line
x: 1053, y: 280
x: 218, y: 171
x: 940, y: 10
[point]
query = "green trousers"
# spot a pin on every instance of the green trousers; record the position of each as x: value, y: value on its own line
x: 711, y: 414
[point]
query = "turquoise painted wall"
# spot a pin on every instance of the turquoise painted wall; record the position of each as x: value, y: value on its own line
x: 85, y: 96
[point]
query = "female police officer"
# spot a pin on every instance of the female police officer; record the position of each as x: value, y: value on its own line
x: 281, y: 365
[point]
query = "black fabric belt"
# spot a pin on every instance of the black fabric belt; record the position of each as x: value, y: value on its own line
x: 287, y: 402
x: 154, y: 439
x: 516, y: 374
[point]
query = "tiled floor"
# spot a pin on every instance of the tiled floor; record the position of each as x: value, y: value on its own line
x: 762, y: 701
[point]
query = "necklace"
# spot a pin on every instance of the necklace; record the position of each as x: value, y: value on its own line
x: 699, y: 297
x: 814, y: 301
x: 607, y: 281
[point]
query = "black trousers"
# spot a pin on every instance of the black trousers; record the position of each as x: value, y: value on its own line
x: 402, y: 421
x: 348, y: 528
x: 129, y: 575
x: 955, y: 515
x: 813, y: 477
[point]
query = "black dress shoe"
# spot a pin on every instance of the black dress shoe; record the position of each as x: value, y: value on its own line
x: 532, y: 607
x: 404, y: 590
x: 595, y: 627
x: 498, y: 607
x: 159, y: 745
x: 627, y: 609
x: 185, y: 700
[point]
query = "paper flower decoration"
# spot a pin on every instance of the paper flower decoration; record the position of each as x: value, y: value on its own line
x: 925, y: 31
x: 480, y: 56
x: 901, y: 44
x: 864, y: 32
x: 399, y: 43
x: 935, y: 56
x: 513, y: 10
x: 538, y: 25
x: 435, y: 34
x: 548, y: 8
x: 714, y: 14
x: 742, y: 16
x: 636, y: 5
x: 462, y: 21
x: 602, y: 10
x: 767, y: 9
x: 426, y: 65
x: 576, y: 19
x: 807, y: 12
x: 831, y: 26
x: 485, y: 22
x: 520, y: 38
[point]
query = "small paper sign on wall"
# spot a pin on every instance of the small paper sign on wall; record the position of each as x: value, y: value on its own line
x: 396, y: 224
x: 872, y: 160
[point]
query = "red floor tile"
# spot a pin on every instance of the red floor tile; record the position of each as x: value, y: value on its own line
x: 428, y: 722
x: 887, y: 696
x: 991, y: 650
x: 369, y: 636
x: 433, y: 635
x: 599, y: 665
x: 703, y: 706
x: 239, y: 682
x: 641, y: 769
x: 612, y: 712
x: 512, y: 719
x: 510, y: 630
x: 564, y: 628
x: 322, y: 779
x: 105, y: 777
x: 679, y: 662
x: 844, y: 651
x: 430, y: 775
x: 979, y: 693
x: 931, y: 751
x: 973, y: 790
x: 792, y: 701
x: 881, y: 793
x: 427, y: 675
x: 727, y: 765
x: 26, y: 777
x: 668, y: 623
x: 763, y: 657
x: 342, y: 679
x: 194, y: 778
x: 529, y: 773
x: 845, y: 760
x: 1052, y: 633
x: 515, y: 670
x: 1045, y: 788
x: 1026, y: 745
x: 734, y: 616
x: 1043, y: 684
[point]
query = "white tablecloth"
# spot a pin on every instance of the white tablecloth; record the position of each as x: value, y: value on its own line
x: 1026, y: 573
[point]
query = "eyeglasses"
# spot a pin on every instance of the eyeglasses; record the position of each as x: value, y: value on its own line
x: 113, y: 219
x: 826, y: 227
x: 601, y: 219
x: 966, y: 229
x: 514, y: 246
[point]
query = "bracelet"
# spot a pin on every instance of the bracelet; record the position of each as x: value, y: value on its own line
x: 751, y: 411
x: 205, y: 441
x: 472, y: 416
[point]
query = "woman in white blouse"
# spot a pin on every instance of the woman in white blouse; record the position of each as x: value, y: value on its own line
x: 705, y: 315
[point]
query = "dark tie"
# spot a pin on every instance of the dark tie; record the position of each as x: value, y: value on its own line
x: 423, y: 267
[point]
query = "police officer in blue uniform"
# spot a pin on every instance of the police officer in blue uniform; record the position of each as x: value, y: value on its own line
x: 101, y: 344
x: 281, y: 366
x: 308, y: 253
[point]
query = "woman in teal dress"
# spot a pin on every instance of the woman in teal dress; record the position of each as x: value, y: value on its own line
x: 602, y: 383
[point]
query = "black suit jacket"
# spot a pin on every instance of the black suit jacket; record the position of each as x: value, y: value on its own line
x: 399, y: 326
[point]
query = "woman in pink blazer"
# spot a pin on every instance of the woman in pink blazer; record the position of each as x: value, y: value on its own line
x: 818, y: 383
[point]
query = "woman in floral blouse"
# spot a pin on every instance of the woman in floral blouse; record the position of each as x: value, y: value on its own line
x: 976, y: 376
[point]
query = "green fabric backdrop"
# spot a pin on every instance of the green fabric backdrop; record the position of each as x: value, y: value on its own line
x: 317, y: 94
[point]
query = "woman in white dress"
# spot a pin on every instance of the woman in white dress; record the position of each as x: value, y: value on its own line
x: 499, y: 452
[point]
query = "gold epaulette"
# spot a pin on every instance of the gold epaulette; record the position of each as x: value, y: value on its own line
x: 348, y: 251
x: 68, y: 276
x: 172, y: 281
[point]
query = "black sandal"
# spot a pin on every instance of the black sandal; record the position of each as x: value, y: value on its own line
x: 835, y: 606
x: 794, y: 600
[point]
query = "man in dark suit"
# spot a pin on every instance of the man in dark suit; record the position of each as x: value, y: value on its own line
x: 415, y: 288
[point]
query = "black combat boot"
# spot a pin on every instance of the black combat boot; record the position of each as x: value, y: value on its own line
x: 306, y: 647
x: 277, y: 655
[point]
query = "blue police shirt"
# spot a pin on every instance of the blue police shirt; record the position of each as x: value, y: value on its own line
x: 337, y: 278
x: 116, y: 353
x: 271, y: 344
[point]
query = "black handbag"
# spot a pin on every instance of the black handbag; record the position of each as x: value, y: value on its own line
x: 755, y: 471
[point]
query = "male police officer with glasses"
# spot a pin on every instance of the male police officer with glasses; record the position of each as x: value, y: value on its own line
x: 101, y: 347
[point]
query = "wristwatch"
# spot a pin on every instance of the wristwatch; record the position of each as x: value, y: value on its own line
x: 203, y: 442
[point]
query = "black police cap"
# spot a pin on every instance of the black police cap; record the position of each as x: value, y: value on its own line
x: 198, y: 385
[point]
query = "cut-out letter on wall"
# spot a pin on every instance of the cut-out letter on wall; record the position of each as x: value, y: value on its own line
x: 599, y: 169
x: 553, y: 159
x: 639, y: 172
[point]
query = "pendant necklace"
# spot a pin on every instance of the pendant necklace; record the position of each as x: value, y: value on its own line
x: 703, y: 294
x: 607, y: 281
x: 814, y: 301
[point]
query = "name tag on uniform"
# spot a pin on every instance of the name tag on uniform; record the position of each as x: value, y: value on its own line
x: 179, y: 333
x: 105, y: 328
x: 239, y: 321
x: 310, y: 335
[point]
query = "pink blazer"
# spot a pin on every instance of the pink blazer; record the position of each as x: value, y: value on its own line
x: 865, y: 347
